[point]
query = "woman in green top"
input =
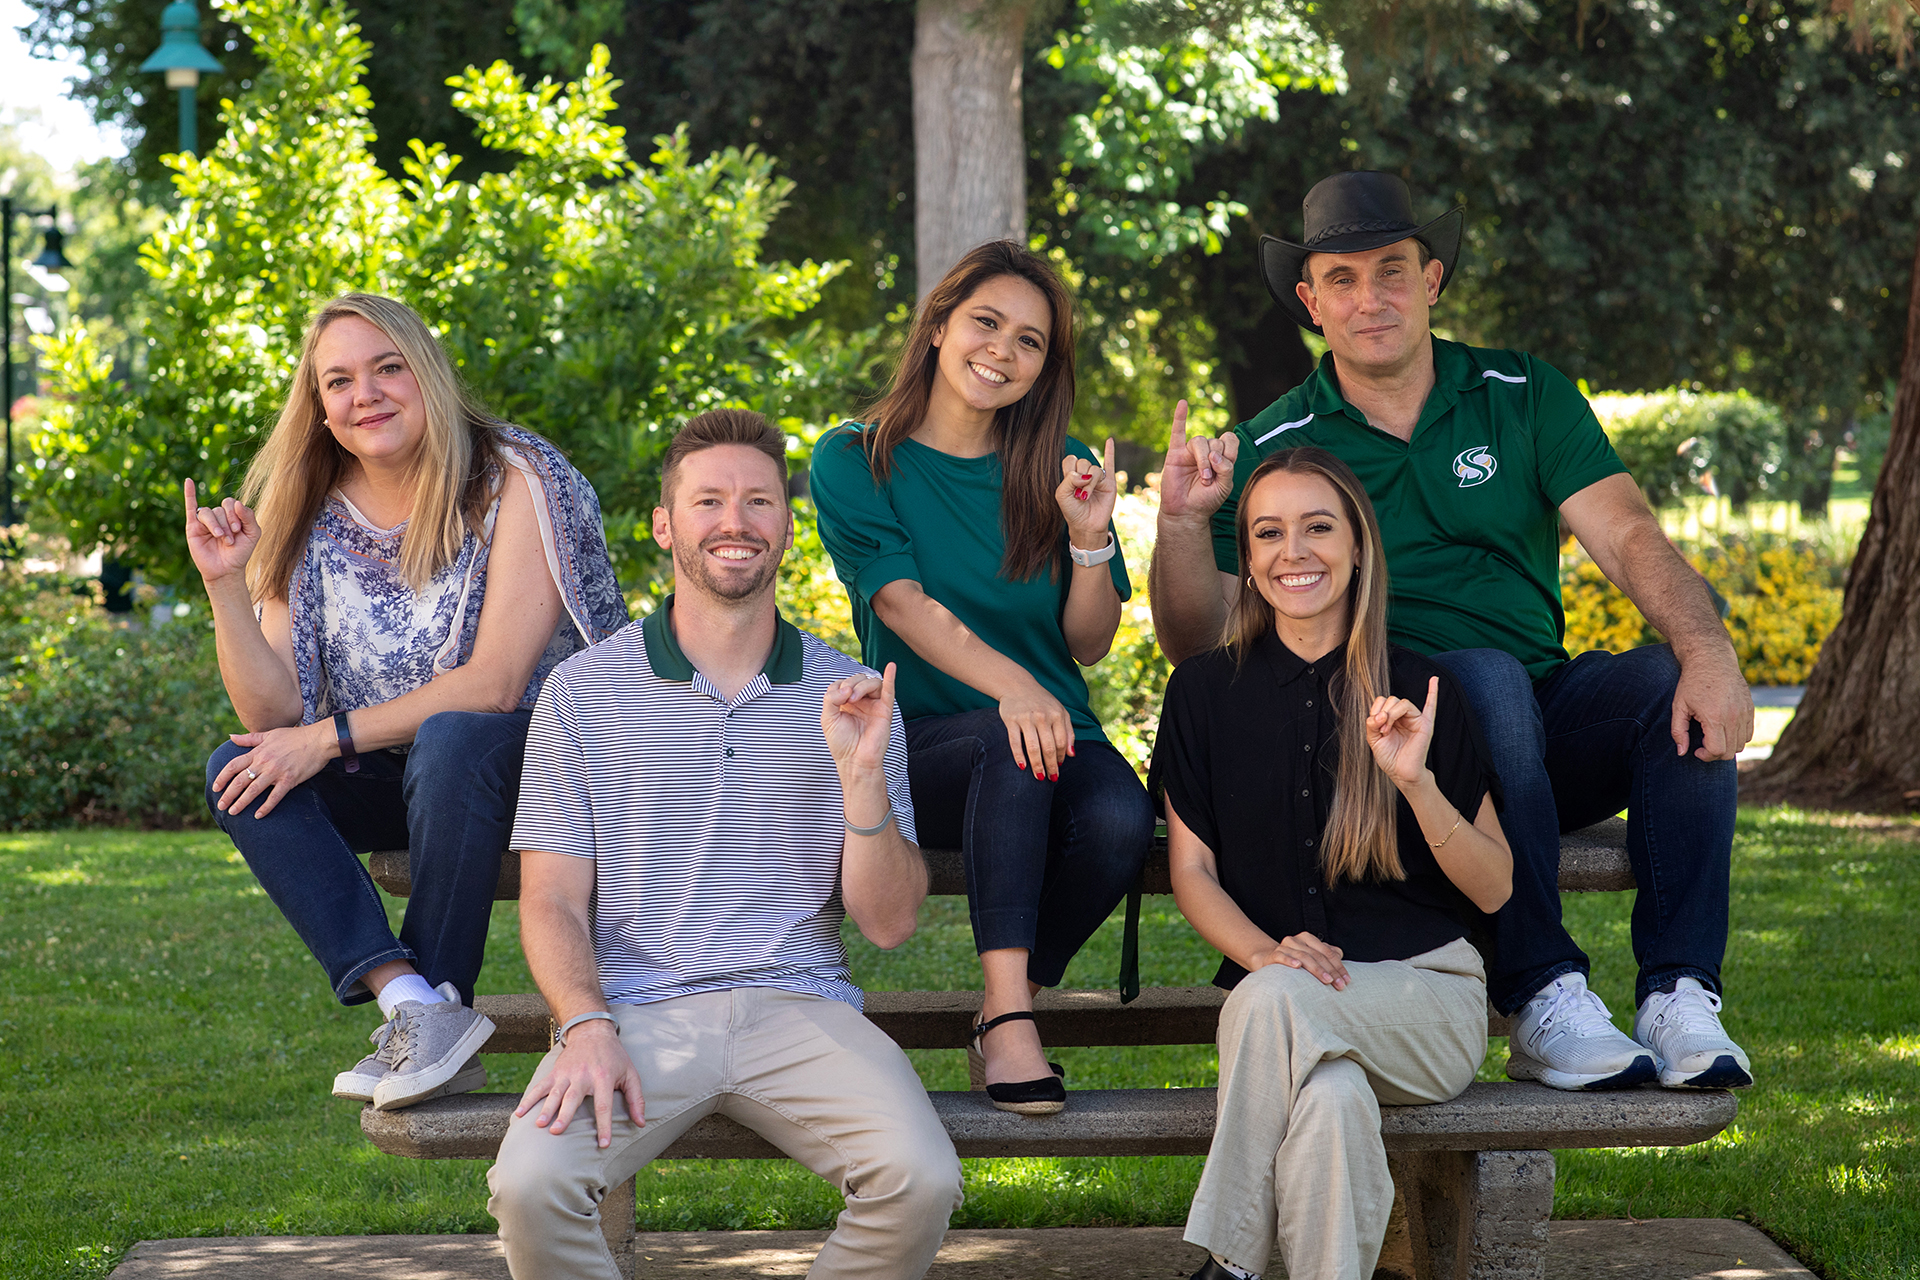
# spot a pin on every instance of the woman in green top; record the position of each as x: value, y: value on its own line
x: 976, y: 541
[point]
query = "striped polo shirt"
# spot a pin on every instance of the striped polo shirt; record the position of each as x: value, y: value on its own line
x: 716, y: 826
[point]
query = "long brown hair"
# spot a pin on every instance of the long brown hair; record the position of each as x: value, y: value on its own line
x: 1030, y: 435
x: 1361, y: 840
x: 301, y: 462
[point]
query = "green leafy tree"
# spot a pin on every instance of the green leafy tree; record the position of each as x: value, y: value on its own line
x: 591, y: 298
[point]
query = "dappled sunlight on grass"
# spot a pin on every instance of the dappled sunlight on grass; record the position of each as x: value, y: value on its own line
x: 175, y: 1014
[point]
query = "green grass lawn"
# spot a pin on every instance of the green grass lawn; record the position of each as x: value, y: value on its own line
x: 166, y: 1045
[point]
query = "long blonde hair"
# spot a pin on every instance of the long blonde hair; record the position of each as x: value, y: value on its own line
x: 301, y: 462
x: 1361, y: 840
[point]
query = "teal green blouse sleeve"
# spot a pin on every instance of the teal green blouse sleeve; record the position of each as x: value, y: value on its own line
x: 858, y: 527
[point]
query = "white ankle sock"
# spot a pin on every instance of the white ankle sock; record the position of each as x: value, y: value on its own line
x: 1232, y: 1270
x: 408, y: 986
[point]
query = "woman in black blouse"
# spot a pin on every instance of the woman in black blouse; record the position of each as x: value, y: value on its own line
x: 1331, y: 819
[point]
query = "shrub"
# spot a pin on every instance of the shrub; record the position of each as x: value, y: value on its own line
x: 1783, y: 597
x: 100, y: 722
x: 587, y: 296
x: 1676, y: 442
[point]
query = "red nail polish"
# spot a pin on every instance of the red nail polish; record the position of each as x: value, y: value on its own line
x: 1053, y: 777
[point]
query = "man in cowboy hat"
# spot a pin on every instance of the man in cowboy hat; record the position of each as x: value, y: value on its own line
x: 1472, y: 458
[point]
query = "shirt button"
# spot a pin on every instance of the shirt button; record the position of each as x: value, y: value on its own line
x: 1309, y: 844
x: 1311, y: 892
x: 729, y: 753
x: 1306, y: 793
x: 1308, y: 747
x: 1309, y: 701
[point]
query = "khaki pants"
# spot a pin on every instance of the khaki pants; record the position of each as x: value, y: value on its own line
x: 1296, y: 1152
x: 810, y: 1075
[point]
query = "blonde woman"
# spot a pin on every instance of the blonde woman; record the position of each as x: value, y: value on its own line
x: 1332, y: 829
x: 384, y: 624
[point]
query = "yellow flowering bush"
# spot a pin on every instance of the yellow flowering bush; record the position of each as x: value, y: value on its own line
x: 1127, y: 685
x: 1783, y: 600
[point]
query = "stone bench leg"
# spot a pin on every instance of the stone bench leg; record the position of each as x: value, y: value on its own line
x: 1470, y: 1215
x: 616, y: 1224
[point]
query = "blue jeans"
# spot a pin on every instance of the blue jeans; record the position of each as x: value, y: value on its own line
x: 449, y: 801
x: 1046, y: 861
x: 1588, y: 740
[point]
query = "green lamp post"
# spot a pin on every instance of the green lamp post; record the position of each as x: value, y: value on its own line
x: 52, y: 258
x: 181, y: 56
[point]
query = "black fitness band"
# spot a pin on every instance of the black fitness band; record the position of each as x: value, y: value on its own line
x: 347, y: 752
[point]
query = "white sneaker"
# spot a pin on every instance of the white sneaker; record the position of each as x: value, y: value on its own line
x: 1683, y: 1028
x: 1565, y: 1038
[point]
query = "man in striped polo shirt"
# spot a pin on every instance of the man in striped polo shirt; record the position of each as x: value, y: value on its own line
x: 1473, y: 458
x: 706, y: 794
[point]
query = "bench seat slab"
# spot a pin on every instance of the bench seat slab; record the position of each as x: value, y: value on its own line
x: 1115, y: 1122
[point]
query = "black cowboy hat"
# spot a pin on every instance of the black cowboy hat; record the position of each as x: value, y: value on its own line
x: 1351, y: 213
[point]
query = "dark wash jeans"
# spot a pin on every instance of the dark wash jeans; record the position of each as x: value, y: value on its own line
x: 1046, y: 861
x: 449, y: 800
x: 1588, y: 740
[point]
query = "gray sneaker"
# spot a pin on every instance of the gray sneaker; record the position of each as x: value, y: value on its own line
x: 432, y: 1052
x: 358, y: 1083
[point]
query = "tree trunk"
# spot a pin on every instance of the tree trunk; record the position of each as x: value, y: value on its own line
x: 969, y: 155
x: 1851, y: 744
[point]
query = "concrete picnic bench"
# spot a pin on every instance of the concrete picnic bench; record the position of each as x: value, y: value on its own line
x: 1473, y: 1177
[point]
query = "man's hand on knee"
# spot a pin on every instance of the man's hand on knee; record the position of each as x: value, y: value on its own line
x: 593, y: 1064
x: 1712, y: 691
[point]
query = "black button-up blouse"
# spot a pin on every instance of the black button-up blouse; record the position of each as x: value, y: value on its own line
x: 1247, y: 755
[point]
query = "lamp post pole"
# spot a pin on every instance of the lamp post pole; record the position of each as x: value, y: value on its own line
x: 53, y: 259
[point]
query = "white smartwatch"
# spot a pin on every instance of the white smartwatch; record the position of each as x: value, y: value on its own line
x: 1091, y: 558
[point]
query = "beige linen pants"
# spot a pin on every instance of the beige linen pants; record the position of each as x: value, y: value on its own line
x: 810, y: 1075
x: 1296, y: 1149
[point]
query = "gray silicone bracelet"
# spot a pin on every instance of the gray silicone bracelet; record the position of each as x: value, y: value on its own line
x: 873, y: 830
x: 560, y: 1036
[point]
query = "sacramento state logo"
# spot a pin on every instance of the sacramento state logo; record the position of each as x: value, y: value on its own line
x: 1474, y: 466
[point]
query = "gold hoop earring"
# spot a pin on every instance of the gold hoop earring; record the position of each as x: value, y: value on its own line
x: 1249, y: 581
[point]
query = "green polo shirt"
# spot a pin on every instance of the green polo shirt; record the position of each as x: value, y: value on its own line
x: 937, y: 522
x: 1469, y: 508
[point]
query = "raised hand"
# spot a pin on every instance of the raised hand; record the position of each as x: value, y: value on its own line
x: 1399, y: 734
x: 1086, y: 495
x: 1198, y: 474
x: 220, y: 539
x: 857, y: 717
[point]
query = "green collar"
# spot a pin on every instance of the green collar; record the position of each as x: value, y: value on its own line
x: 1453, y: 373
x: 785, y: 664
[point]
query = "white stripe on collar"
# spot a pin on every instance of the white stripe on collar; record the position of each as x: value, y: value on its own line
x: 1504, y: 377
x: 1285, y: 426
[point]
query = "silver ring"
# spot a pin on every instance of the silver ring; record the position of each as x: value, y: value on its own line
x: 253, y: 775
